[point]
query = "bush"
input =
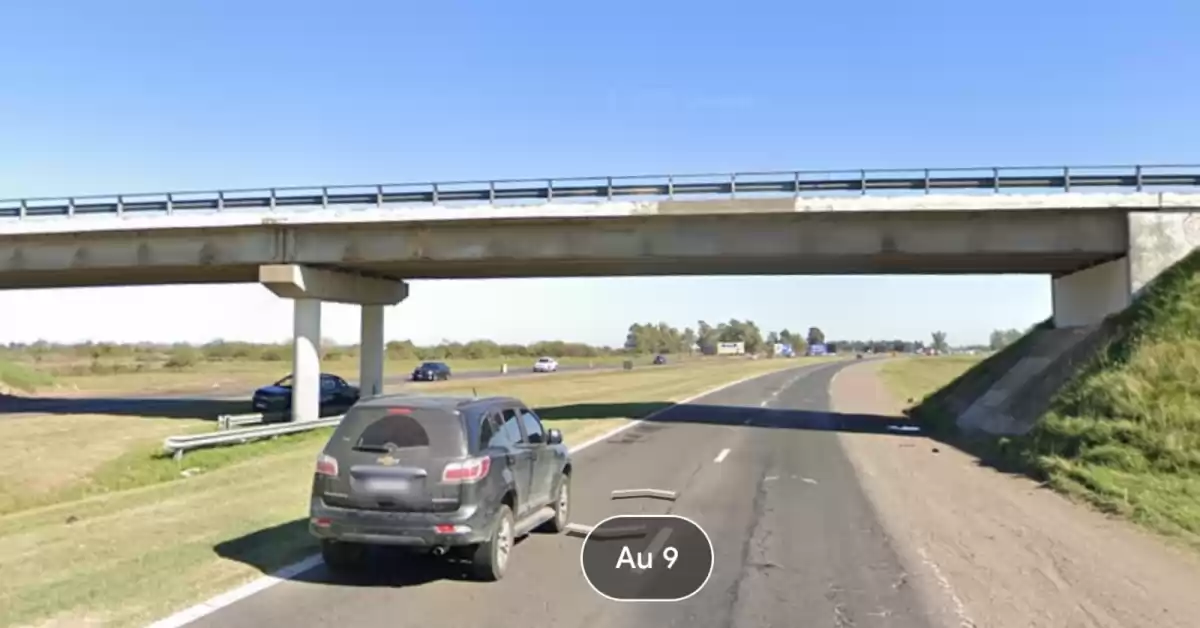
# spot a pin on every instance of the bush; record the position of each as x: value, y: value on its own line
x: 183, y: 357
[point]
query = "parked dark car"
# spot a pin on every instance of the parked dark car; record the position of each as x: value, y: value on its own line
x: 449, y: 476
x: 336, y: 396
x: 431, y: 372
x: 660, y: 359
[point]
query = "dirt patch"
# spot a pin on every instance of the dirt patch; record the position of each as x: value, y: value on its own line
x: 990, y: 549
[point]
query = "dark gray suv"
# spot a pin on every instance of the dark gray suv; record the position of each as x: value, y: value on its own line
x: 454, y: 476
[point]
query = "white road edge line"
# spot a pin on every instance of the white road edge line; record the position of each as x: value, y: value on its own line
x: 214, y: 604
x: 721, y: 456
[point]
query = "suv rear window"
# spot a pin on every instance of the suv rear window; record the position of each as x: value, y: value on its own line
x: 390, y: 429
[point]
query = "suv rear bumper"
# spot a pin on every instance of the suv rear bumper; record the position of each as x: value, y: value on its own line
x: 405, y: 529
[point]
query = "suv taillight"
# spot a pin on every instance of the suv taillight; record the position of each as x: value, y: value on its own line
x: 327, y: 465
x: 467, y: 471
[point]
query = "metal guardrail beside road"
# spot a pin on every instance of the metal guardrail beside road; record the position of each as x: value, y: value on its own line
x: 928, y: 180
x: 178, y: 445
x: 230, y: 421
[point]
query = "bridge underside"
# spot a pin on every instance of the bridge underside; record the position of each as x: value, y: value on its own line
x: 915, y: 242
x: 882, y: 264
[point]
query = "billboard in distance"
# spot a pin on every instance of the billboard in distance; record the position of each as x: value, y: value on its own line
x: 731, y: 348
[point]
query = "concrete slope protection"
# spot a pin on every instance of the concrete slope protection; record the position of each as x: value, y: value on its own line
x: 1108, y: 413
x: 757, y: 465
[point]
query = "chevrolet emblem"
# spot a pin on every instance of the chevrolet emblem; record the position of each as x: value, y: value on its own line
x: 388, y: 461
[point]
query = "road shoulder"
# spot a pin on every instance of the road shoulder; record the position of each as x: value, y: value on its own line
x: 990, y: 549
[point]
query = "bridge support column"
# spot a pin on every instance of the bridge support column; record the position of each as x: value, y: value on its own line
x: 371, y: 351
x: 1087, y: 296
x: 310, y: 286
x: 306, y: 360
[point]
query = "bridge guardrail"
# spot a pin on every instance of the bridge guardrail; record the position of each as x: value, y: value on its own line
x: 179, y: 445
x: 794, y: 182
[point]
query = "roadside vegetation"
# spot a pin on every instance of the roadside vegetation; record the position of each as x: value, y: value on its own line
x: 1124, y: 433
x: 116, y: 534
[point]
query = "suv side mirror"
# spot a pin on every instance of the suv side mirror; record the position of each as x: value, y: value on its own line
x: 554, y: 437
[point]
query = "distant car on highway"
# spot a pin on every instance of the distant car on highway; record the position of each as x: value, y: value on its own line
x: 336, y: 395
x: 545, y: 365
x: 660, y: 359
x: 451, y: 476
x: 431, y: 371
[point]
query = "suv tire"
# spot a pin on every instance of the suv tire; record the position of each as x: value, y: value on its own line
x: 562, y: 507
x: 490, y: 559
x: 342, y: 557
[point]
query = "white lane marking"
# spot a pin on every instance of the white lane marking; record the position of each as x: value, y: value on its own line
x: 660, y: 540
x: 212, y: 605
x: 763, y: 404
x: 964, y: 620
x: 770, y: 478
x: 215, y: 604
x: 808, y: 480
x: 721, y: 456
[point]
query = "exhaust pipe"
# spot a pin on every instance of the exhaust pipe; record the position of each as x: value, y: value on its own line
x: 439, y: 550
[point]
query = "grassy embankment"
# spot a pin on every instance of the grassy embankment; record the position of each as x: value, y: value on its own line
x: 115, y: 535
x: 1124, y: 433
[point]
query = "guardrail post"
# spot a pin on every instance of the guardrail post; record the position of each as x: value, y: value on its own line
x: 996, y: 180
x: 70, y: 207
x: 170, y: 205
x: 120, y: 206
x: 671, y: 187
x: 796, y: 184
x: 927, y: 180
x: 24, y: 209
x: 491, y: 192
x: 1137, y: 173
x: 324, y: 198
x: 379, y: 196
x: 272, y: 199
x: 862, y: 179
x: 1067, y: 178
x: 549, y: 190
x: 435, y: 194
x: 610, y: 190
x: 733, y: 185
x: 220, y: 201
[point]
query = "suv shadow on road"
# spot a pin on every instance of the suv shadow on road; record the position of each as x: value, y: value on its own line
x: 274, y: 548
x: 150, y: 407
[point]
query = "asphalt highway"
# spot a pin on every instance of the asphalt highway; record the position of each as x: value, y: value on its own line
x: 796, y: 542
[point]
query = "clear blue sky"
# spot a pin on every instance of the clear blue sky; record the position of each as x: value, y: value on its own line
x: 141, y: 95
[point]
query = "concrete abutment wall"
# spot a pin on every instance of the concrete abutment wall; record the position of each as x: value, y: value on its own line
x: 1156, y: 241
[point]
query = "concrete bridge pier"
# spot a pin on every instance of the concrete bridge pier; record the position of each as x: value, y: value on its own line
x: 308, y: 287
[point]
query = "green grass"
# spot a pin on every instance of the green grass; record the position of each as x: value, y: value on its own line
x: 23, y: 378
x: 1123, y: 434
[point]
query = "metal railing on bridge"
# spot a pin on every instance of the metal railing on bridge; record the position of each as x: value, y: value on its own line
x: 780, y: 183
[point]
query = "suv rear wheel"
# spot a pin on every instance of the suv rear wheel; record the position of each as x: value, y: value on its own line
x: 562, y: 507
x: 342, y: 557
x: 490, y: 560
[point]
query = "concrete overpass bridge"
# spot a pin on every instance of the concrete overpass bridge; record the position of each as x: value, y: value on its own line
x: 1101, y: 233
